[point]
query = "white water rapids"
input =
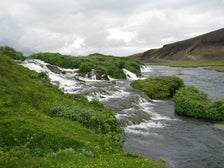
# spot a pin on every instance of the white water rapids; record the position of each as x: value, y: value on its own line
x: 132, y: 108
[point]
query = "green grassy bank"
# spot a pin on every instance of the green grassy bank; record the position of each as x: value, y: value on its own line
x: 42, y: 127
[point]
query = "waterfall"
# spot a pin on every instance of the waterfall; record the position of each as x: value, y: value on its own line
x: 35, y: 65
x: 110, y: 78
x: 130, y: 75
x: 146, y: 69
x: 65, y: 79
x: 93, y: 74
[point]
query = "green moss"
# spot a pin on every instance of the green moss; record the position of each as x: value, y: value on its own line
x: 42, y: 127
x: 109, y: 65
x: 159, y: 87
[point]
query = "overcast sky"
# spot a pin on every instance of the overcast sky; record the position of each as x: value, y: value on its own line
x: 116, y: 27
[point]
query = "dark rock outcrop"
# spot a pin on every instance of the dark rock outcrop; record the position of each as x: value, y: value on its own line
x: 54, y: 68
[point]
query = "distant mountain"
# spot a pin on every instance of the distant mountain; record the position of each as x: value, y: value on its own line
x: 206, y: 47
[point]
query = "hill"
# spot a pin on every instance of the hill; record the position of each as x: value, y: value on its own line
x: 206, y: 47
x: 42, y: 127
x: 106, y: 64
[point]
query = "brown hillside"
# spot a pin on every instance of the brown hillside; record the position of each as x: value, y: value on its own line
x: 207, y: 47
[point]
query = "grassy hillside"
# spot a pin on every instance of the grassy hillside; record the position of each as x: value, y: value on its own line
x: 11, y: 52
x: 42, y: 127
x: 109, y: 65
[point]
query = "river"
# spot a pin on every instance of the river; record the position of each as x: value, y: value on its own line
x: 182, y: 142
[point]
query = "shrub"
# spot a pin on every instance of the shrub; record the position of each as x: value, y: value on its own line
x: 102, y: 121
x: 192, y: 102
x: 11, y: 52
x: 216, y: 110
x: 83, y: 67
x: 159, y: 87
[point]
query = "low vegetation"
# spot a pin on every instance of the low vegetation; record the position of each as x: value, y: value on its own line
x: 108, y: 65
x: 216, y: 110
x: 189, y: 101
x: 11, y: 52
x: 159, y: 87
x: 42, y: 127
x: 192, y: 102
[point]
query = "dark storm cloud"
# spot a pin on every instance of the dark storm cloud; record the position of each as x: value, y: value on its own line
x: 110, y: 26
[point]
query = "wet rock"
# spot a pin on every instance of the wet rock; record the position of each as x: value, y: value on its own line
x: 95, y: 75
x: 54, y: 69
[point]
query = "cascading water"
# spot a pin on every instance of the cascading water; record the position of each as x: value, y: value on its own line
x: 130, y: 75
x: 150, y: 126
x: 93, y: 74
x: 114, y: 93
x: 65, y: 79
x: 146, y: 69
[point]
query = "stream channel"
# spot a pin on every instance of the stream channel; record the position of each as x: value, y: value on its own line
x: 150, y: 126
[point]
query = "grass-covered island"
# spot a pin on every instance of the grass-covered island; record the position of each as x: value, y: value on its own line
x: 190, y: 101
x: 108, y: 65
x: 160, y: 87
x: 42, y: 127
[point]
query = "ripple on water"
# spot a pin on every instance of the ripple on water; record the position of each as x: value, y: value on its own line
x: 145, y: 125
x: 219, y: 126
x: 143, y: 129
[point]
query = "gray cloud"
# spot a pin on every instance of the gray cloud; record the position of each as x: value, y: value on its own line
x: 114, y: 27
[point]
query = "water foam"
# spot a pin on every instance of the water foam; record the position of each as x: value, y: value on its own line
x: 110, y: 78
x: 121, y: 116
x: 130, y: 75
x: 144, y: 127
x: 145, y: 69
x: 64, y: 80
x: 148, y: 107
x: 35, y: 65
x: 106, y: 95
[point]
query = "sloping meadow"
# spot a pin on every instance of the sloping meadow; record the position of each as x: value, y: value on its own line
x: 42, y: 127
